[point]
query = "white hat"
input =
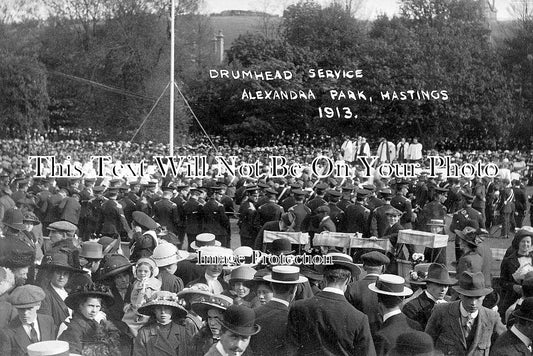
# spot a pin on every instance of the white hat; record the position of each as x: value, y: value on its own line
x: 285, y: 275
x: 49, y: 348
x: 390, y: 284
x: 166, y: 254
x: 204, y: 239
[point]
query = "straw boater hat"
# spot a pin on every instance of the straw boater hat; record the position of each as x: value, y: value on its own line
x: 94, y: 290
x: 203, y: 303
x: 285, y: 275
x: 240, y: 320
x: 166, y: 254
x: 205, y: 239
x: 472, y: 285
x: 436, y: 222
x: 343, y: 260
x: 50, y: 348
x: 163, y: 298
x: 390, y: 284
x: 247, y: 254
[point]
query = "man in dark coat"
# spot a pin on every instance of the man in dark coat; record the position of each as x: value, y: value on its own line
x: 464, y: 218
x: 70, y: 207
x: 362, y: 298
x: 269, y: 211
x: 326, y: 324
x: 29, y: 327
x: 193, y: 213
x: 517, y: 340
x: 272, y: 317
x: 378, y: 219
x: 391, y: 292
x: 300, y: 210
x: 437, y: 282
x: 112, y: 220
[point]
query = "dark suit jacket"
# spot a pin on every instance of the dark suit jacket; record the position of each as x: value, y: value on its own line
x: 166, y: 214
x: 189, y: 271
x: 271, y: 340
x: 54, y: 306
x: 366, y: 301
x: 269, y: 211
x: 446, y: 329
x: 215, y: 219
x: 419, y: 309
x: 70, y: 210
x: 14, y: 340
x: 327, y: 324
x: 508, y: 344
x: 356, y: 217
x: 385, y: 338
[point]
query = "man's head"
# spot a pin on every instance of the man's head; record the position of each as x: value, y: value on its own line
x: 238, y: 326
x: 374, y: 262
x: 61, y: 230
x: 524, y: 317
x: 391, y: 291
x: 472, y: 291
x: 27, y: 300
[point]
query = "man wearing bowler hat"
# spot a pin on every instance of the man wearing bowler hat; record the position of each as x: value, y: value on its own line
x: 437, y: 283
x: 326, y: 324
x: 465, y: 327
x: 362, y: 298
x: 517, y: 340
x: 272, y: 317
x: 237, y: 327
x: 29, y: 327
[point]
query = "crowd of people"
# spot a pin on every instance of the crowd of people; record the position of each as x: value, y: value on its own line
x: 121, y: 266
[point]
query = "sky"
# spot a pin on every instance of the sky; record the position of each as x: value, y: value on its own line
x: 369, y: 8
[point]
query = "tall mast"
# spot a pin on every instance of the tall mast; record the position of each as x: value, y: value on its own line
x: 171, y: 130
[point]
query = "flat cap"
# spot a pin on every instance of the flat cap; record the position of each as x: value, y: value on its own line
x: 26, y: 296
x: 323, y: 209
x: 375, y: 258
x: 62, y: 226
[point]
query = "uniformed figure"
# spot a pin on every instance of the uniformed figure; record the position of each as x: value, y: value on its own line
x: 300, y: 210
x: 248, y: 217
x: 193, y: 212
x: 216, y: 221
x: 378, y: 219
x: 270, y: 210
x: 335, y: 213
x: 463, y: 218
x: 112, y: 219
x: 357, y: 215
x: 166, y: 211
x: 346, y: 196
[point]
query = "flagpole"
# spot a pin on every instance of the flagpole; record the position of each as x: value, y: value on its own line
x: 171, y: 130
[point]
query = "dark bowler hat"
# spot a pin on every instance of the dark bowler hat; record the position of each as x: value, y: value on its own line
x: 524, y: 311
x: 64, y: 226
x: 58, y: 261
x: 472, y: 285
x: 413, y: 343
x: 14, y: 219
x: 112, y: 265
x: 439, y: 274
x: 26, y: 296
x: 93, y: 290
x: 281, y: 246
x: 240, y: 320
x: 144, y: 220
x: 285, y: 275
x: 344, y: 261
x: 375, y: 258
x: 390, y: 284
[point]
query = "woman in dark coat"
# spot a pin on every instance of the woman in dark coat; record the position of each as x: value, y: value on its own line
x: 168, y: 332
x: 512, y: 271
x: 88, y: 332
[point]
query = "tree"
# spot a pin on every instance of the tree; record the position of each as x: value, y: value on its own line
x: 23, y: 95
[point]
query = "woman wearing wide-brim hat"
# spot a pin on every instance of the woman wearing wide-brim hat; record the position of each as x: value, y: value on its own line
x: 57, y: 269
x: 167, y: 331
x: 210, y: 308
x: 240, y: 286
x: 88, y: 332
